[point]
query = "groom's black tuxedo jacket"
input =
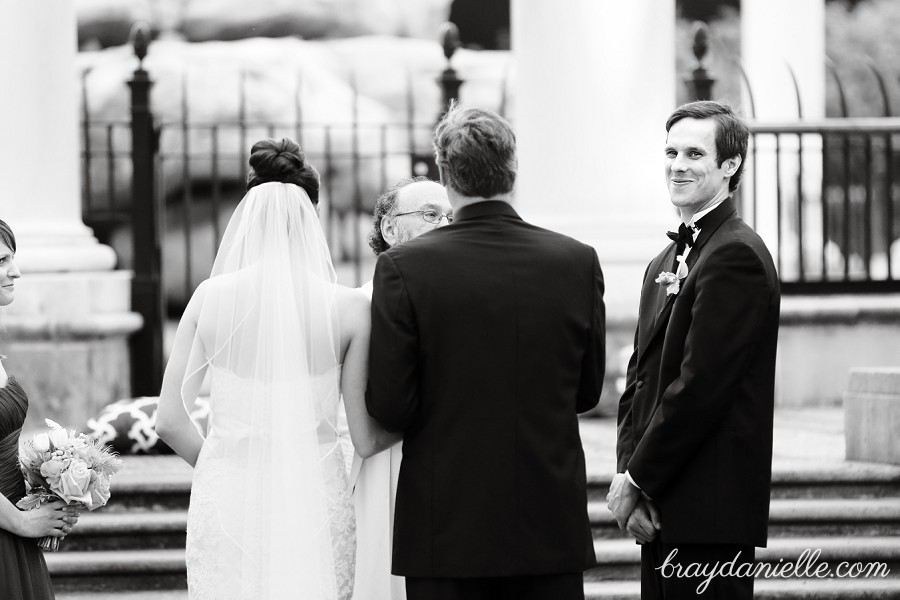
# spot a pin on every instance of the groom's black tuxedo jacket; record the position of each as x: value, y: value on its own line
x: 695, y: 420
x: 487, y: 340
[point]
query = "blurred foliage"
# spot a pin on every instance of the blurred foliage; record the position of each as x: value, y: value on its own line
x: 705, y: 10
x: 858, y: 40
x: 708, y: 10
x: 483, y: 24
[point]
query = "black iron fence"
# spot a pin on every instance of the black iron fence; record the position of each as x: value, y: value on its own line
x: 823, y: 194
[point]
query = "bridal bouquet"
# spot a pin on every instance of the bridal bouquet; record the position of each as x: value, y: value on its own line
x: 63, y: 465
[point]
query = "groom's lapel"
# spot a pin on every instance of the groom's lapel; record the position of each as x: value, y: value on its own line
x: 662, y: 319
x: 711, y: 223
x: 650, y: 325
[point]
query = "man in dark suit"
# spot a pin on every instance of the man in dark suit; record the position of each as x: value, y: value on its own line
x: 695, y: 421
x: 487, y: 340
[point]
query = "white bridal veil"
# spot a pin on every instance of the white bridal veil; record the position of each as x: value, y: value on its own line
x: 268, y: 338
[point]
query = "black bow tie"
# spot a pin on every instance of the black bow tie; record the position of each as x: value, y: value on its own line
x: 684, y: 237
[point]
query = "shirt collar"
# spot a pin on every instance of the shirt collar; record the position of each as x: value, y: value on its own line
x: 703, y: 213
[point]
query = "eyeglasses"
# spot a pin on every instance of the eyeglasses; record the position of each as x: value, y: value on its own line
x: 430, y: 216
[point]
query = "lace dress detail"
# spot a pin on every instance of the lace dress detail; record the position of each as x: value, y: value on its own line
x: 221, y: 563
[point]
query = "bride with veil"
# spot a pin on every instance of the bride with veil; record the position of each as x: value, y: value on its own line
x: 271, y: 514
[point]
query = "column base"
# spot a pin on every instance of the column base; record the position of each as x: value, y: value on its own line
x: 66, y: 338
x: 63, y: 247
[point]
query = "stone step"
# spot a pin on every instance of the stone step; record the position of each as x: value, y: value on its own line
x: 158, y: 529
x: 165, y: 482
x: 764, y: 589
x: 844, y: 480
x: 767, y: 589
x: 134, y: 529
x: 848, y: 480
x: 829, y: 589
x: 125, y: 595
x: 619, y: 559
x: 799, y: 517
x: 108, y: 570
x: 159, y: 490
x: 834, y: 517
x: 133, y: 570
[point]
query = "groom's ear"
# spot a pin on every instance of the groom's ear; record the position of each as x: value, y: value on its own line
x: 389, y: 230
x: 731, y: 165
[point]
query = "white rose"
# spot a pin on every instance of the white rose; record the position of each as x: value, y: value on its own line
x: 59, y: 437
x: 75, y: 482
x: 41, y: 442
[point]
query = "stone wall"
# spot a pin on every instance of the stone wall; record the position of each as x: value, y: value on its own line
x: 872, y: 415
x: 822, y: 338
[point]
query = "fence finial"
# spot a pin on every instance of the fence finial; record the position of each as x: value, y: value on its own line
x: 699, y: 83
x: 449, y: 36
x: 140, y: 40
x: 449, y: 80
x: 701, y: 42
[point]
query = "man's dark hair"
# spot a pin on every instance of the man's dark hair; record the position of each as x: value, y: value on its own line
x: 732, y: 133
x: 475, y: 150
x: 384, y: 207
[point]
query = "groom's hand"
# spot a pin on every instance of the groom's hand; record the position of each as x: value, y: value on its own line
x: 644, y: 522
x: 622, y: 498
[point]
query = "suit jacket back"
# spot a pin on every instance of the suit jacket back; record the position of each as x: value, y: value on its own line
x: 487, y: 339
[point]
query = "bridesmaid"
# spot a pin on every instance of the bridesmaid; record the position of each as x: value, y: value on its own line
x: 23, y: 572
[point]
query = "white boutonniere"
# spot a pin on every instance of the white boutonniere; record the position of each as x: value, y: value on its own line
x: 672, y: 281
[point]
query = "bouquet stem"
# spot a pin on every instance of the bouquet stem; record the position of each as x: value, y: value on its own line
x: 49, y: 543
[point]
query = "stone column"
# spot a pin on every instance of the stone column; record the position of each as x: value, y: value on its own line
x: 65, y: 335
x: 594, y: 83
x: 778, y: 39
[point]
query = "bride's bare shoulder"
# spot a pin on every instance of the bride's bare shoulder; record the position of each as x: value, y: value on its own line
x: 353, y: 305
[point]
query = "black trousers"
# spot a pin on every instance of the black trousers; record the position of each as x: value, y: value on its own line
x: 683, y: 571
x: 565, y: 586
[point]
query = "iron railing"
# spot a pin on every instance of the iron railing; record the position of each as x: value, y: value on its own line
x: 823, y: 195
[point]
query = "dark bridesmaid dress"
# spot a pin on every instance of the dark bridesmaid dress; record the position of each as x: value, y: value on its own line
x: 23, y: 572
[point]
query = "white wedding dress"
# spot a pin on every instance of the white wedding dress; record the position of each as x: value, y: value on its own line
x: 271, y: 516
x: 214, y: 553
x: 374, y: 482
x: 374, y: 495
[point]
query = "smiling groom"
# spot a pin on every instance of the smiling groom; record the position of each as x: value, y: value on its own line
x: 694, y: 448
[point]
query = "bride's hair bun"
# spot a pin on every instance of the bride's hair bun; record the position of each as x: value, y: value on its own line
x: 282, y: 161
